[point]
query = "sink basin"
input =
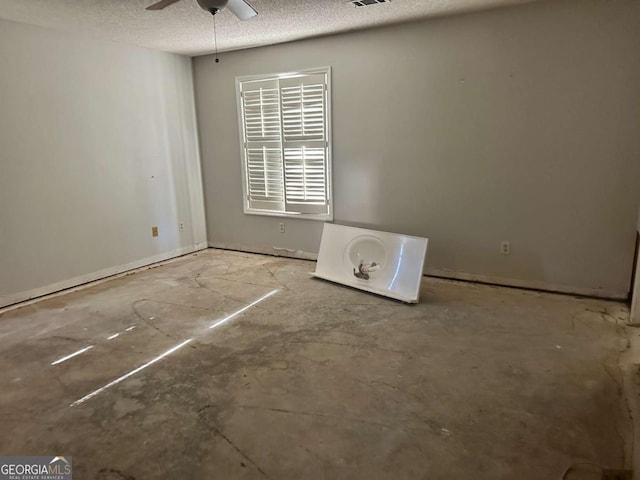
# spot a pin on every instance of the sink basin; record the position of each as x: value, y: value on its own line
x: 367, y: 256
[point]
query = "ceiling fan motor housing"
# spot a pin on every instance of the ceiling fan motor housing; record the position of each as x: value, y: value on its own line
x: 212, y: 6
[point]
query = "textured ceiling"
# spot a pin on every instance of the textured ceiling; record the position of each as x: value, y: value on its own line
x: 185, y: 28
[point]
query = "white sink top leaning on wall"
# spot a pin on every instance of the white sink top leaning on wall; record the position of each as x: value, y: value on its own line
x: 385, y: 263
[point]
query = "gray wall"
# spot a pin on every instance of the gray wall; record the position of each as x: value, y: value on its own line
x: 519, y: 124
x: 97, y: 144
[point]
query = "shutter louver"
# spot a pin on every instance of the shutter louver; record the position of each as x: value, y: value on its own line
x: 262, y: 114
x: 264, y: 167
x: 303, y: 112
x: 304, y: 175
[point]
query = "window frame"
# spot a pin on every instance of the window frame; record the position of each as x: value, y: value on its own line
x: 247, y: 208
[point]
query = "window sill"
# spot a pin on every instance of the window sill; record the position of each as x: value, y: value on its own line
x: 303, y: 216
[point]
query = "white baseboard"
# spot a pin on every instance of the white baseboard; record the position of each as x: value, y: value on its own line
x: 443, y: 273
x: 528, y: 284
x: 275, y: 251
x: 16, y: 300
x: 9, y: 302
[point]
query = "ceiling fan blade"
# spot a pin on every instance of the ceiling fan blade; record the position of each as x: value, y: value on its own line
x: 241, y: 9
x: 161, y: 4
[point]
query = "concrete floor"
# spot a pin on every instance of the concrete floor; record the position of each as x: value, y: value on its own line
x: 316, y: 381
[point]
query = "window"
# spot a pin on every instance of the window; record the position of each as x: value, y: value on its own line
x: 285, y: 143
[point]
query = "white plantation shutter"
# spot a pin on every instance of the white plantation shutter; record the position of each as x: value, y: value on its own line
x: 264, y: 174
x: 303, y: 107
x: 285, y: 143
x: 304, y: 170
x: 304, y: 128
x: 263, y: 144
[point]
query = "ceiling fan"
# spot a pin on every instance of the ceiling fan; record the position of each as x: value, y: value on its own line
x: 240, y: 8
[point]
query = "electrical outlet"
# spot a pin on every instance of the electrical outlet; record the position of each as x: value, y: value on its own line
x: 505, y: 248
x: 154, y: 231
x: 609, y: 474
x: 282, y: 228
x: 181, y: 226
